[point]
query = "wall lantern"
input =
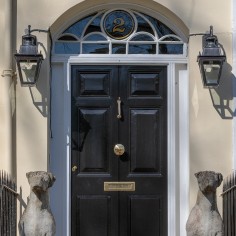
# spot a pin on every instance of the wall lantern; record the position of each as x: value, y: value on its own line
x: 28, y: 60
x: 211, y: 60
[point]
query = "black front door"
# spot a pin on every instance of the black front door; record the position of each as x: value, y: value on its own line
x: 119, y: 105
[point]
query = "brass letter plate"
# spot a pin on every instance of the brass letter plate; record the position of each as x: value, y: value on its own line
x: 119, y: 186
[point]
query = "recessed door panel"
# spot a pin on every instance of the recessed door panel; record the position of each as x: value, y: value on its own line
x: 144, y: 84
x: 145, y: 213
x: 119, y: 192
x: 94, y: 84
x: 93, y: 215
x: 145, y: 130
x: 95, y: 157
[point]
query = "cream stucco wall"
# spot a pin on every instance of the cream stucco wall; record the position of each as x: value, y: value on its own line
x: 210, y: 117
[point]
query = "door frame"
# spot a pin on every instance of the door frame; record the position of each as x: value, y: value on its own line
x: 178, y: 134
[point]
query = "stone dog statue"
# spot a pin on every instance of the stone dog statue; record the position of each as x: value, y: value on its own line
x: 37, y: 219
x: 204, y: 218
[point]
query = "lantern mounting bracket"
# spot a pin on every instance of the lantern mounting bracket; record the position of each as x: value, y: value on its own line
x: 29, y: 30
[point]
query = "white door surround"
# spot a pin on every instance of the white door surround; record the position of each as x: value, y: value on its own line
x: 178, y: 133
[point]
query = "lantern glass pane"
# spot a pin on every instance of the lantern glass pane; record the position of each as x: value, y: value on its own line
x: 28, y: 71
x: 212, y: 71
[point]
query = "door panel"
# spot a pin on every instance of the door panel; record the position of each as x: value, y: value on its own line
x: 144, y: 84
x: 142, y: 129
x: 94, y: 215
x: 145, y: 133
x: 94, y: 84
x: 97, y: 133
x: 145, y: 214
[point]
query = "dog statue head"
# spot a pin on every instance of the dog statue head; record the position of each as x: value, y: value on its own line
x: 208, y: 181
x: 40, y: 180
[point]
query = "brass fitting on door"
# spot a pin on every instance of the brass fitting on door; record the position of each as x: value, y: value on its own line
x: 119, y: 149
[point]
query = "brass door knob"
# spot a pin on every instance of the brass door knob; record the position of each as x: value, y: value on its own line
x: 74, y: 168
x: 119, y: 149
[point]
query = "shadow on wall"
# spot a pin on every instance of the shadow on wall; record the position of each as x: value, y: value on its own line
x: 21, y: 202
x: 39, y: 93
x: 222, y: 96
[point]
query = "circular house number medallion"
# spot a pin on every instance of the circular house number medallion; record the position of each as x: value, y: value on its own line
x: 118, y: 24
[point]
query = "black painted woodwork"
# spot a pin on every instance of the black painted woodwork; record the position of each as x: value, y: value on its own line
x: 142, y: 130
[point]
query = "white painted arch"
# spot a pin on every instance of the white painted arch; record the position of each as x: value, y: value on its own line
x: 178, y: 130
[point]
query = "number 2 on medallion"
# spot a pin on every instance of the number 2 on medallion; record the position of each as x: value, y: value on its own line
x: 119, y: 25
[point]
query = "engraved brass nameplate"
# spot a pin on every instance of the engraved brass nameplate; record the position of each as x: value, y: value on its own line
x: 119, y: 186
